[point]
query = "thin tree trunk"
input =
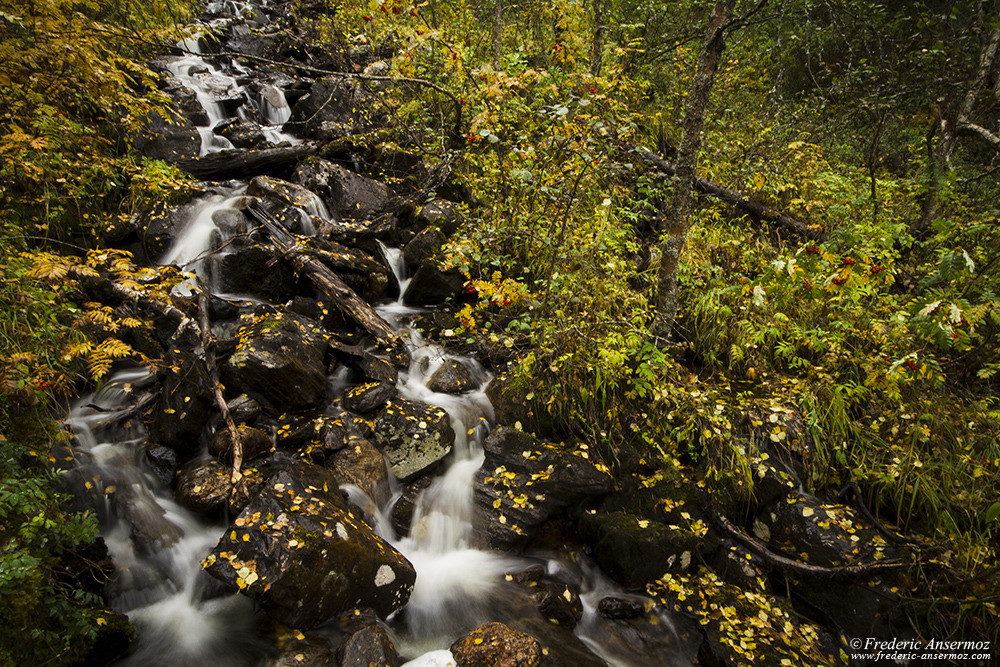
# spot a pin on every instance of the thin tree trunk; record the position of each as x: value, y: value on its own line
x: 939, y: 158
x: 676, y: 222
x: 497, y: 32
x: 597, y: 52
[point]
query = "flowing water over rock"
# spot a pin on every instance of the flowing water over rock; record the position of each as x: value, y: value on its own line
x: 186, y: 617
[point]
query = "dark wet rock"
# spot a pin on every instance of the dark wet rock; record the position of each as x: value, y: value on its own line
x: 497, y: 645
x: 361, y: 464
x: 346, y: 194
x: 252, y: 480
x: 230, y: 221
x: 254, y: 443
x: 737, y: 566
x: 781, y: 433
x: 369, y: 397
x: 371, y: 647
x: 556, y: 600
x: 649, y: 639
x: 113, y: 637
x: 279, y: 361
x: 413, y: 436
x: 275, y: 189
x: 299, y: 552
x: 204, y: 487
x: 620, y: 608
x: 439, y: 214
x: 162, y: 462
x: 184, y: 406
x: 524, y: 481
x: 188, y: 104
x: 334, y: 108
x: 401, y: 515
x: 253, y: 270
x: 376, y: 369
x: 451, y: 378
x: 147, y: 521
x: 431, y: 286
x: 364, y: 274
x: 363, y: 234
x: 241, y: 133
x: 305, y: 653
x: 560, y: 647
x: 160, y: 139
x: 423, y: 248
x: 828, y: 534
x: 820, y: 533
x: 513, y: 403
x: 244, y: 410
x: 635, y: 551
x: 771, y: 481
x: 158, y: 228
x: 221, y: 310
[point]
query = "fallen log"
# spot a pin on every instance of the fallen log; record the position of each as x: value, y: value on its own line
x: 332, y: 287
x: 755, y: 209
x: 244, y: 164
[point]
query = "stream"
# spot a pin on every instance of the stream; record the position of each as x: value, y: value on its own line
x: 184, y: 616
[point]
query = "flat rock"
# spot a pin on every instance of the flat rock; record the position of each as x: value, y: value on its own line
x: 497, y: 645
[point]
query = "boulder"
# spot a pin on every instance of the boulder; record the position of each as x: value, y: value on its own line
x: 162, y: 139
x: 369, y: 397
x: 401, y: 515
x: 635, y: 551
x: 647, y: 639
x: 244, y: 410
x: 556, y: 600
x: 241, y: 133
x: 158, y: 228
x: 369, y: 646
x: 361, y: 464
x: 274, y: 190
x: 509, y: 396
x: 304, y: 557
x: 497, y: 645
x: 423, y: 248
x: 616, y: 608
x: 830, y: 535
x: 413, y: 436
x: 162, y: 462
x: 375, y: 368
x: 279, y: 360
x: 184, y: 405
x: 439, y: 214
x: 451, y: 378
x: 363, y: 234
x: 430, y: 286
x: 253, y: 270
x: 346, y: 194
x: 523, y: 482
x: 254, y: 442
x: 204, y: 487
x: 560, y: 647
x: 334, y: 108
x: 148, y: 525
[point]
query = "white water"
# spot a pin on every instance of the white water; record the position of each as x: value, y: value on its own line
x: 160, y: 585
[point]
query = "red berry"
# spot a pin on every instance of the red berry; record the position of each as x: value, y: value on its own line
x: 849, y: 262
x: 396, y: 10
x: 593, y: 90
x: 368, y: 18
x: 812, y: 249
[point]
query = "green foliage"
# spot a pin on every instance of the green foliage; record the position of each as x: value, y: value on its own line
x: 44, y: 619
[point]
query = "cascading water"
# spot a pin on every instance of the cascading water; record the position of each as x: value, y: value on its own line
x: 183, y: 616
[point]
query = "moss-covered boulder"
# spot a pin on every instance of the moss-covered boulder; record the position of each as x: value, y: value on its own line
x: 304, y: 557
x: 413, y: 436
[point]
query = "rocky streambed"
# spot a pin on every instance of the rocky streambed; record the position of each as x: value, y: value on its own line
x: 386, y: 508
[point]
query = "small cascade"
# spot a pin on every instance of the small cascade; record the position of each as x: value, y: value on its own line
x: 156, y: 545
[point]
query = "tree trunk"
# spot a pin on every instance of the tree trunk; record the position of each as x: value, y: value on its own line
x: 597, y: 51
x: 939, y: 154
x: 676, y: 222
x: 497, y: 32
